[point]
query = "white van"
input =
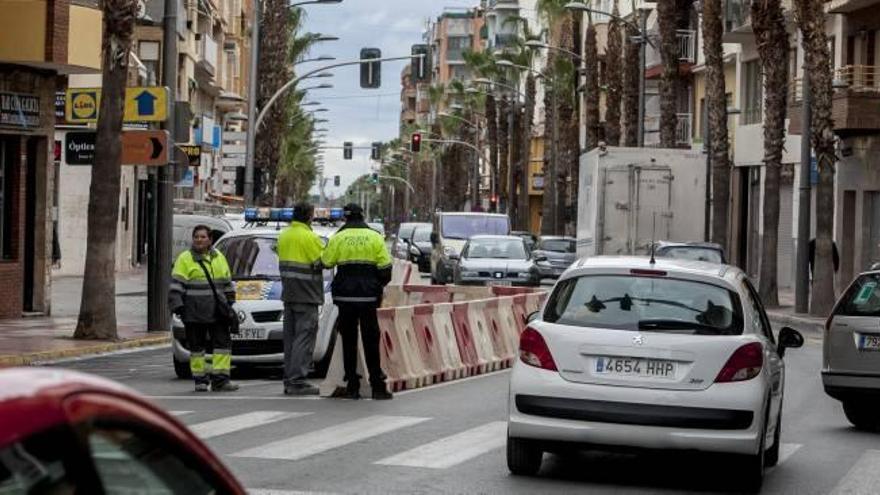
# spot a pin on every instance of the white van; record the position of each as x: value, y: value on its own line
x: 452, y: 230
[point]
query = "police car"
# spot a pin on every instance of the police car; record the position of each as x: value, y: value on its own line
x: 253, y: 261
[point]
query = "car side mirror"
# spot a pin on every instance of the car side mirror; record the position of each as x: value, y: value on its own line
x: 540, y: 259
x: 789, y: 338
x: 435, y: 239
x: 533, y: 316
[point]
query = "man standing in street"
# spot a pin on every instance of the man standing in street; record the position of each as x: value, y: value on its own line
x: 364, y: 269
x: 299, y: 259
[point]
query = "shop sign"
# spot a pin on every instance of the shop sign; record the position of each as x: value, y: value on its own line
x: 19, y: 110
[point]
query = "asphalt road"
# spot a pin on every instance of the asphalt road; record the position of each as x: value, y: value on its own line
x: 450, y: 439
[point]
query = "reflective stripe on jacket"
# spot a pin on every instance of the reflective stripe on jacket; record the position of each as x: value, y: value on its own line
x: 299, y: 260
x: 190, y: 288
x: 363, y: 265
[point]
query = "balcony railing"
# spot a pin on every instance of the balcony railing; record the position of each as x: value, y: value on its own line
x: 207, y: 50
x: 687, y: 49
x: 683, y: 129
x: 736, y: 14
x: 860, y: 77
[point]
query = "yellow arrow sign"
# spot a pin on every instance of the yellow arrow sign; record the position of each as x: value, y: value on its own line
x: 142, y: 104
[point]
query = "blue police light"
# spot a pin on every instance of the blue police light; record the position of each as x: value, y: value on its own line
x: 281, y: 215
x: 261, y: 215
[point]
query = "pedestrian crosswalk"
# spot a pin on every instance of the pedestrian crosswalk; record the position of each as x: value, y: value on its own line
x: 863, y: 478
x: 453, y: 450
x: 223, y: 426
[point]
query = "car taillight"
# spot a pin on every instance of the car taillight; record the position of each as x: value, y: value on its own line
x: 534, y: 351
x: 744, y: 364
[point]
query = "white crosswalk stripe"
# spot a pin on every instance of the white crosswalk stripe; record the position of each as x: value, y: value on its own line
x: 453, y: 450
x: 863, y: 478
x: 179, y: 413
x: 259, y: 491
x: 787, y: 450
x: 223, y: 426
x: 316, y: 442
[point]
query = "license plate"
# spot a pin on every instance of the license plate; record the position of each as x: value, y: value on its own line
x: 498, y: 275
x: 870, y: 343
x: 646, y: 368
x: 250, y: 334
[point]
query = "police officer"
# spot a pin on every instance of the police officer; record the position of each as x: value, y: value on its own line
x: 364, y: 269
x: 299, y: 256
x: 195, y: 302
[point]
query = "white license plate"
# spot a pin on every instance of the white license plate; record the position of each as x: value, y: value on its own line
x: 250, y: 334
x: 501, y: 284
x: 870, y: 343
x: 647, y: 368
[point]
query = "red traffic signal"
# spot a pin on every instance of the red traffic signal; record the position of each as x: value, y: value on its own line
x: 415, y: 144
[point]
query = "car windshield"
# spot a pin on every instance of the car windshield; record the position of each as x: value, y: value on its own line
x: 422, y: 235
x: 508, y: 249
x: 251, y: 257
x: 557, y: 245
x: 862, y: 298
x: 692, y: 253
x: 638, y: 303
x: 466, y: 226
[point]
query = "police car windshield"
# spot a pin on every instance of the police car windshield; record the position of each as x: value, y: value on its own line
x: 250, y: 257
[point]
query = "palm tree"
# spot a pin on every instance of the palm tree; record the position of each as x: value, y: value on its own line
x: 548, y: 220
x: 771, y: 36
x: 504, y: 109
x: 613, y: 77
x: 716, y: 114
x: 97, y: 312
x: 492, y: 136
x: 591, y: 83
x: 667, y: 20
x: 631, y: 74
x: 810, y: 15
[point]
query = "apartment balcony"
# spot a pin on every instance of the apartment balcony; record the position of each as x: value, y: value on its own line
x: 853, y: 109
x: 738, y: 22
x: 683, y: 130
x: 847, y: 6
x: 687, y: 55
x: 206, y: 54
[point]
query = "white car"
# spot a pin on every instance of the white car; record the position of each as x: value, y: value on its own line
x: 252, y: 257
x: 672, y: 354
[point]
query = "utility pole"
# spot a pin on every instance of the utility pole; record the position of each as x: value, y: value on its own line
x: 159, y: 253
x: 643, y: 41
x: 253, y: 82
x: 802, y: 279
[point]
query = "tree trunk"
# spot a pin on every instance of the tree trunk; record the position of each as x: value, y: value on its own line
x: 548, y: 209
x: 667, y: 17
x: 631, y: 87
x: 716, y: 115
x: 516, y: 135
x: 97, y: 311
x: 569, y: 132
x: 503, y: 153
x: 492, y: 136
x: 591, y: 88
x: 526, y: 158
x: 771, y: 36
x: 613, y: 79
x: 810, y: 15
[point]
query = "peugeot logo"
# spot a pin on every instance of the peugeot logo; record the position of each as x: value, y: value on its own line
x: 638, y: 340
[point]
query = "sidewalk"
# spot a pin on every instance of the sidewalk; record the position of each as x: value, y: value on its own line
x: 784, y: 316
x: 33, y: 339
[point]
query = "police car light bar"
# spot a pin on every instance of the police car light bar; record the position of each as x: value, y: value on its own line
x: 258, y: 215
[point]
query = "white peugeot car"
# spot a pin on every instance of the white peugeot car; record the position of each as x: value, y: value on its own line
x: 253, y: 259
x: 670, y: 354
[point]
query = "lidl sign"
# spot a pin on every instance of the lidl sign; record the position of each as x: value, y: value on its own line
x: 142, y: 104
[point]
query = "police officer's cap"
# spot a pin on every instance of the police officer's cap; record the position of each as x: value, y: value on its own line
x: 353, y: 210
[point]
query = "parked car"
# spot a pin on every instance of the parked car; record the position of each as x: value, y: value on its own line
x: 497, y: 259
x: 452, y: 230
x: 666, y: 355
x: 378, y: 227
x: 696, y: 251
x: 420, y: 248
x: 404, y: 235
x: 851, y: 352
x: 183, y: 227
x: 253, y: 259
x: 67, y: 432
x: 530, y: 239
x: 560, y: 253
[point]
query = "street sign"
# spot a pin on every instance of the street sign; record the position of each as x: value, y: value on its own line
x: 79, y: 148
x: 193, y: 153
x: 142, y: 104
x: 145, y: 148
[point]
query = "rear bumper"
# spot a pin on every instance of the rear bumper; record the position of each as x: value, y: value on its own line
x: 545, y: 407
x: 844, y: 386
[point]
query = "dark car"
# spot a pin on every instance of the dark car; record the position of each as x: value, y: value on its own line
x: 419, y: 248
x: 67, y: 432
x: 560, y: 253
x: 400, y: 248
x: 530, y: 239
x: 694, y: 251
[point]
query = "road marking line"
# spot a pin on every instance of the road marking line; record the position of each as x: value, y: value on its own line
x: 89, y: 357
x: 864, y: 477
x: 179, y: 413
x: 231, y: 397
x: 223, y: 426
x: 316, y: 442
x: 260, y: 491
x: 453, y: 450
x: 787, y: 450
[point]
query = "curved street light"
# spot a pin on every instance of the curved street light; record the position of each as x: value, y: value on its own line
x: 322, y: 58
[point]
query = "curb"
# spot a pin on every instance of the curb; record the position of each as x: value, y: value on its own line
x: 801, y: 323
x: 31, y: 358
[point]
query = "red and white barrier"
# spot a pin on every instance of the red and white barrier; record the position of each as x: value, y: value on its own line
x: 482, y: 334
x: 396, y: 358
x: 501, y: 335
x: 470, y: 356
x: 430, y: 345
x: 444, y: 332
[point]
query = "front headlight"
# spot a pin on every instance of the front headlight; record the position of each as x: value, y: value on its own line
x: 414, y: 251
x: 470, y: 274
x: 524, y: 274
x: 449, y: 251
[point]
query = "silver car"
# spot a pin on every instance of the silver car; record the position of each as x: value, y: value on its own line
x: 498, y: 259
x: 851, y: 352
x: 560, y: 252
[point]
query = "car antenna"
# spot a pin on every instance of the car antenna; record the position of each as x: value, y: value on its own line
x: 653, y: 242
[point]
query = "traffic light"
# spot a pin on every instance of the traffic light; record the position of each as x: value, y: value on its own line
x: 371, y: 72
x: 347, y: 150
x: 374, y: 178
x: 336, y: 180
x: 421, y: 66
x: 415, y: 144
x: 376, y: 151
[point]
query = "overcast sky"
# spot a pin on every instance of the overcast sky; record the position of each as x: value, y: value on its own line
x: 358, y: 115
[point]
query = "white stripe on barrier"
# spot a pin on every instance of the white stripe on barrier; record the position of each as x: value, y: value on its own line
x: 453, y: 450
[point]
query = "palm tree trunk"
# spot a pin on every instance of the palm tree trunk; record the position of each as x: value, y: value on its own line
x: 613, y: 78
x: 513, y: 167
x: 631, y: 87
x: 548, y: 207
x: 716, y: 113
x: 810, y: 17
x: 569, y: 126
x: 503, y: 153
x: 492, y: 136
x: 591, y: 88
x: 97, y: 312
x: 525, y: 159
x: 772, y: 43
x: 667, y: 16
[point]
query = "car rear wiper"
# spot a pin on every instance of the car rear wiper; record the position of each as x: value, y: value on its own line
x: 661, y: 324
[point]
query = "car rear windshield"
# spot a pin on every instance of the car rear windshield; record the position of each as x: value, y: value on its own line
x: 251, y: 257
x: 421, y: 235
x: 508, y: 249
x: 691, y: 253
x: 641, y: 303
x: 466, y: 226
x: 862, y: 298
x: 557, y: 245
